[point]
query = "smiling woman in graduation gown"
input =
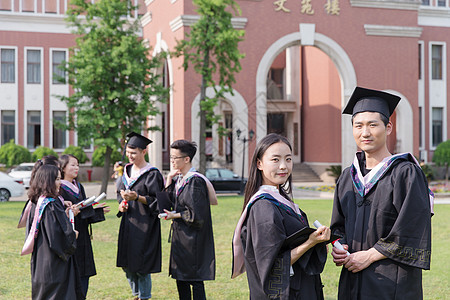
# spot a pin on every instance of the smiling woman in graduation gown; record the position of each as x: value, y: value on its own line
x: 54, y: 273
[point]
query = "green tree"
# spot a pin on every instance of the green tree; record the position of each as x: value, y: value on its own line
x: 42, y: 151
x: 78, y: 152
x: 112, y: 75
x: 98, y: 157
x: 211, y: 47
x: 12, y: 154
x: 441, y: 157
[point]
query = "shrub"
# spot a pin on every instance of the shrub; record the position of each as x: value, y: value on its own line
x: 42, y: 151
x: 12, y: 154
x: 335, y: 171
x: 78, y: 152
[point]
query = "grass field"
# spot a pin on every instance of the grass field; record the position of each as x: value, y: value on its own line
x: 110, y: 281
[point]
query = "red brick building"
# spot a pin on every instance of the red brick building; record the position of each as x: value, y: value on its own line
x: 303, y: 60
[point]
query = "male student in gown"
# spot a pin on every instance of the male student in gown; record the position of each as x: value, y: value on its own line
x: 139, y: 245
x: 192, y: 258
x: 382, y: 208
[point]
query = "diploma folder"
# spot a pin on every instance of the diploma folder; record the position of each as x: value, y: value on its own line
x: 301, y: 236
x: 163, y: 201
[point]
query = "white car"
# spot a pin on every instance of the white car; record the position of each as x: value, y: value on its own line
x: 22, y: 171
x: 10, y: 187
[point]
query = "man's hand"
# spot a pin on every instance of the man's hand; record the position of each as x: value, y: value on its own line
x: 171, y: 175
x: 339, y: 256
x: 360, y: 260
x: 123, y: 206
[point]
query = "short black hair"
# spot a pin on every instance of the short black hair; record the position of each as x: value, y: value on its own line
x: 186, y: 147
x: 383, y: 118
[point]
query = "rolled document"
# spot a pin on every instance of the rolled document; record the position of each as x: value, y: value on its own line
x: 334, y: 243
x: 163, y: 215
x: 92, y: 200
x: 72, y: 218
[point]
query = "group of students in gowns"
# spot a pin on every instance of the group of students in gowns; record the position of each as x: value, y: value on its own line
x: 382, y: 212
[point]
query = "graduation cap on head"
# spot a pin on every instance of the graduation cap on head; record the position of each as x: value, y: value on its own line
x: 137, y: 140
x: 364, y: 99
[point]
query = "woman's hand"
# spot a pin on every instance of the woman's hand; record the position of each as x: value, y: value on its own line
x: 322, y: 234
x: 103, y: 206
x: 76, y: 234
x: 75, y: 209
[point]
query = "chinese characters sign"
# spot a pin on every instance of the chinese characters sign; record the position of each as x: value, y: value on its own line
x: 331, y: 7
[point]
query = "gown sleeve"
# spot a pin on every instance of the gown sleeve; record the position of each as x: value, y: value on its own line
x: 409, y: 239
x: 154, y: 183
x: 195, y: 203
x: 58, y: 231
x: 337, y: 225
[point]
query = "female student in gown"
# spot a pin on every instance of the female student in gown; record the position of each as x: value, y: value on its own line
x: 269, y: 216
x: 51, y: 240
x: 71, y: 190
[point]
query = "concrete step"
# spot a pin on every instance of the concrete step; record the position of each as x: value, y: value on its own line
x: 303, y: 173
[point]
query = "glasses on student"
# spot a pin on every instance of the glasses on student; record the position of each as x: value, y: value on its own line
x: 176, y: 157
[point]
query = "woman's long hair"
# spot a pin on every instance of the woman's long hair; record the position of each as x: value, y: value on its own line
x: 44, y: 183
x: 255, y: 175
x: 63, y: 161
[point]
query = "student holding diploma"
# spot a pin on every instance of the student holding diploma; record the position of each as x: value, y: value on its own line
x: 276, y: 269
x: 139, y: 244
x: 51, y: 240
x: 192, y: 257
x: 72, y: 190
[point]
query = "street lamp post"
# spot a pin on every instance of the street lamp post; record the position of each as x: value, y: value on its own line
x: 244, y: 140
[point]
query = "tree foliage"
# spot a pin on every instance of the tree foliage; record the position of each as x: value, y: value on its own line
x: 211, y: 47
x: 78, y: 152
x: 112, y: 75
x: 42, y: 151
x: 98, y: 157
x: 12, y: 154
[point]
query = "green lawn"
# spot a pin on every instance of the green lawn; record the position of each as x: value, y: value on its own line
x: 110, y: 282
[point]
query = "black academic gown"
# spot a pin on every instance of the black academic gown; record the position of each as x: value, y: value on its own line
x: 84, y: 255
x: 395, y: 219
x: 139, y: 244
x: 192, y: 255
x: 54, y: 273
x: 268, y: 264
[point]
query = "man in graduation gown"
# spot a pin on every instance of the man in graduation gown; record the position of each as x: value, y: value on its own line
x: 192, y: 258
x: 139, y: 245
x: 382, y: 208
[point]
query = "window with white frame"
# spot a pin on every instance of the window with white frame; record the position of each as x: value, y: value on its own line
x: 437, y: 114
x: 34, y: 66
x: 426, y: 2
x: 8, y: 66
x: 441, y: 3
x: 58, y: 57
x: 59, y: 134
x: 8, y: 126
x: 436, y: 61
x: 33, y: 129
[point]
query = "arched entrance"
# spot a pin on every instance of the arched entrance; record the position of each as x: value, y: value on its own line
x: 308, y: 37
x: 234, y: 110
x: 160, y: 148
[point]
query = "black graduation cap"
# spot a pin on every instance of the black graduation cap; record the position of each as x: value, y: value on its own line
x: 137, y: 140
x: 364, y: 99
